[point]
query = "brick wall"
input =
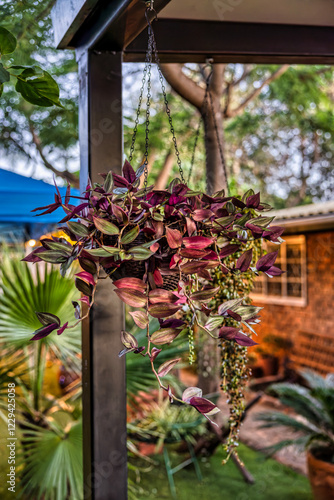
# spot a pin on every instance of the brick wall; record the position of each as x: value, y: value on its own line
x: 318, y: 316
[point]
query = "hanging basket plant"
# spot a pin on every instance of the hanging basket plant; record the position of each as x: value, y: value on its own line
x: 160, y: 248
x: 168, y: 253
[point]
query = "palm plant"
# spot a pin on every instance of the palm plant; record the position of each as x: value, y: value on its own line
x: 49, y: 429
x: 314, y: 422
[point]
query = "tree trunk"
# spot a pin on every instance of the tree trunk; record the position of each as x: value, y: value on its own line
x: 163, y: 177
x: 215, y: 169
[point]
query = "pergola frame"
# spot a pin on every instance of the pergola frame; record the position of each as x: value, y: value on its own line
x: 103, y: 35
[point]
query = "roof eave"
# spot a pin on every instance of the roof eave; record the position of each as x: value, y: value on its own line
x: 307, y: 224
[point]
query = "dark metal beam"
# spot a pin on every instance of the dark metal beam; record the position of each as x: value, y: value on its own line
x: 104, y: 384
x: 117, y: 23
x: 195, y: 41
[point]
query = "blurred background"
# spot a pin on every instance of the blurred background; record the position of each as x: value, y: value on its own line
x: 276, y: 126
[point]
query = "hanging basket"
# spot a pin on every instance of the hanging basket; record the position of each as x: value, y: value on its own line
x: 167, y: 252
x: 138, y: 269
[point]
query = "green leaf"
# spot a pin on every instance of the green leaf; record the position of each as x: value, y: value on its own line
x: 4, y: 75
x: 140, y: 253
x: 261, y: 221
x: 130, y: 235
x: 247, y: 312
x: 78, y: 229
x: 213, y: 323
x: 108, y: 183
x: 105, y: 226
x: 52, y: 256
x: 7, y: 41
x: 58, y: 245
x: 38, y: 87
x: 1, y: 89
x: 103, y: 251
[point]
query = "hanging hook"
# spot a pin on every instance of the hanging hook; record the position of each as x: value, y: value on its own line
x: 149, y: 4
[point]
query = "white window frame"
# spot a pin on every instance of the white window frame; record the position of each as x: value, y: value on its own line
x: 284, y: 299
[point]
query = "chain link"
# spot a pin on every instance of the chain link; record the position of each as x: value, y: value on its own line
x: 163, y: 88
x: 202, y: 117
x: 152, y: 49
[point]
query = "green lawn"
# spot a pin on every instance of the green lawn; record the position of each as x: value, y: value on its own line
x: 273, y: 481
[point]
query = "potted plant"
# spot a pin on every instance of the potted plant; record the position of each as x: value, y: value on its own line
x: 162, y: 249
x: 314, y: 423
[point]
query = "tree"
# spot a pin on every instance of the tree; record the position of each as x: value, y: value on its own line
x: 222, y: 85
x: 277, y: 123
x: 46, y: 136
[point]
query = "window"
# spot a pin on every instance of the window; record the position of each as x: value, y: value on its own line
x: 290, y: 287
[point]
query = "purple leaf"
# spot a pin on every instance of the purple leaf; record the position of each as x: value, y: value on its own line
x: 75, y: 211
x: 244, y: 261
x: 131, y: 283
x: 167, y: 366
x: 171, y: 323
x: 174, y: 237
x: 253, y: 201
x: 202, y: 214
x: 244, y: 340
x: 44, y: 331
x: 274, y: 271
x: 84, y: 275
x: 62, y: 328
x: 265, y: 262
x: 202, y: 405
x: 228, y: 250
x: 154, y: 353
x: 128, y: 173
x: 133, y: 298
x: 163, y: 310
x: 197, y: 242
x: 273, y: 233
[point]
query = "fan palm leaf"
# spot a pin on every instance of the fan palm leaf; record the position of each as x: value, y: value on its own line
x: 23, y: 293
x: 52, y: 461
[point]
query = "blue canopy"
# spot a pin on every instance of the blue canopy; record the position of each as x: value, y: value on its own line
x: 18, y: 196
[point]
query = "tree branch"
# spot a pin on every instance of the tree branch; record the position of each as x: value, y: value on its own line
x: 183, y: 85
x: 64, y: 174
x: 236, y: 111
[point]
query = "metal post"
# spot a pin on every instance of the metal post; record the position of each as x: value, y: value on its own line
x: 104, y: 385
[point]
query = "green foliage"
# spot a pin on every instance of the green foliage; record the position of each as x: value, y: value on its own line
x: 49, y: 430
x: 53, y: 464
x: 54, y: 127
x: 35, y: 85
x: 7, y: 42
x: 272, y: 480
x: 23, y: 292
x: 314, y: 407
x: 282, y: 142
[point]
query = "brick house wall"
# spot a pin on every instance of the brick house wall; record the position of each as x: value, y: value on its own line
x: 310, y: 328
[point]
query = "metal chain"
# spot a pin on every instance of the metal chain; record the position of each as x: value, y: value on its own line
x: 163, y: 88
x: 148, y: 105
x: 203, y: 116
x: 140, y: 100
x: 152, y: 48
